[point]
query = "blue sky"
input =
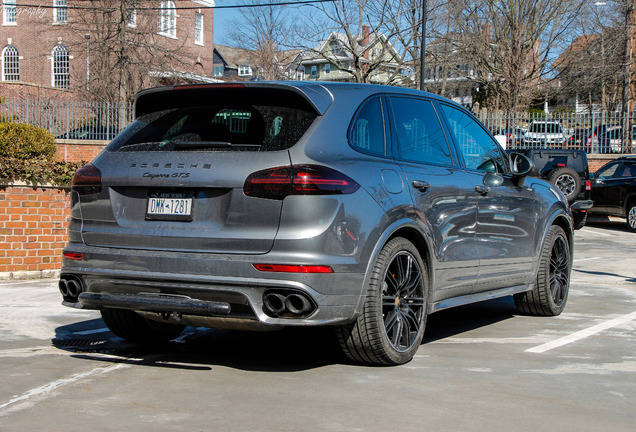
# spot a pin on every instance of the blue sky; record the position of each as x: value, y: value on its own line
x: 222, y: 17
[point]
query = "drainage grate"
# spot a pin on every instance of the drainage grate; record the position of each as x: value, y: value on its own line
x: 71, y: 343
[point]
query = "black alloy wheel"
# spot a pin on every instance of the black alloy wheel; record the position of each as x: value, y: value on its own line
x: 391, y: 326
x: 402, y: 301
x: 550, y: 292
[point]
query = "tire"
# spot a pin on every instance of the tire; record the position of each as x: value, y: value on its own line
x: 391, y: 326
x: 631, y: 216
x: 568, y: 181
x: 580, y: 219
x: 550, y: 293
x: 133, y: 327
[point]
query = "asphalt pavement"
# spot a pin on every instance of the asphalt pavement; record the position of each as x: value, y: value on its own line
x: 481, y: 367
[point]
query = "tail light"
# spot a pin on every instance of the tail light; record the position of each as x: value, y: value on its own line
x: 588, y: 185
x: 278, y: 183
x: 87, y: 180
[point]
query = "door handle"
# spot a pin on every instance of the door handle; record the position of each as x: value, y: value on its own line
x: 482, y: 189
x: 421, y: 185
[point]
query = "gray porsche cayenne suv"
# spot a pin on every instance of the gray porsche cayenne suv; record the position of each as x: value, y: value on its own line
x: 269, y: 204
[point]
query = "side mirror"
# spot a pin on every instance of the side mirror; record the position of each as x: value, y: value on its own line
x: 592, y: 176
x: 520, y: 166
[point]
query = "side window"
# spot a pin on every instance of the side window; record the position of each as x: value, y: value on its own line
x: 479, y: 150
x: 629, y: 170
x: 607, y: 172
x: 420, y: 137
x: 366, y: 133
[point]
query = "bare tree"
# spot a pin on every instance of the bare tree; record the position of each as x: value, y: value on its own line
x: 265, y: 30
x: 123, y: 49
x: 594, y: 67
x: 511, y: 43
x: 367, y: 40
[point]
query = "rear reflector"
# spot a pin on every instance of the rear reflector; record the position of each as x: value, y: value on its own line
x: 87, y: 180
x: 285, y: 268
x: 73, y: 256
x: 278, y: 183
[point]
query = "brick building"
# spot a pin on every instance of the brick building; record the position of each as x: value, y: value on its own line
x: 57, y: 48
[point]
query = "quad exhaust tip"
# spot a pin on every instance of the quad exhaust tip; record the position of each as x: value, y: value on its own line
x: 70, y: 287
x: 287, y: 304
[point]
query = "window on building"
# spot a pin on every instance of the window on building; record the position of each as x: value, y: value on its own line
x: 314, y: 71
x: 132, y: 18
x: 218, y: 70
x: 61, y: 66
x: 327, y: 68
x: 244, y: 70
x: 167, y: 18
x: 198, y: 28
x: 10, y: 64
x: 60, y: 12
x: 9, y: 12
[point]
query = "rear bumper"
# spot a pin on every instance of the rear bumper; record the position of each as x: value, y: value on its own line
x: 210, y: 285
x: 581, y: 205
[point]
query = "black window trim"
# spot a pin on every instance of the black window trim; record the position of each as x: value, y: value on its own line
x: 455, y: 161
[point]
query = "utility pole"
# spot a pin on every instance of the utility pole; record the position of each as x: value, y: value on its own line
x: 423, y: 47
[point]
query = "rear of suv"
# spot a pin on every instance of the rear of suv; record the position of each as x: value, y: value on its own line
x: 262, y: 205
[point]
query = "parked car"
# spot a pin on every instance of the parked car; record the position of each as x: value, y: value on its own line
x: 578, y: 139
x: 614, y: 190
x: 568, y: 170
x: 611, y: 140
x: 361, y: 207
x: 544, y: 134
x: 103, y: 133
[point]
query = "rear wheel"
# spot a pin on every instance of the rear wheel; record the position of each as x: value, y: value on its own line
x: 580, y: 219
x: 631, y: 216
x: 133, y: 327
x: 568, y: 181
x: 550, y: 292
x: 391, y: 326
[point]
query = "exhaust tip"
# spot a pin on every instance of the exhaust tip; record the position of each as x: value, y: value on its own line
x: 71, y: 287
x: 287, y: 304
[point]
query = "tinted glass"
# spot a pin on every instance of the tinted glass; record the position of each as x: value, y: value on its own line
x: 550, y: 128
x: 218, y: 127
x: 479, y: 150
x: 420, y: 137
x: 608, y: 171
x: 366, y: 133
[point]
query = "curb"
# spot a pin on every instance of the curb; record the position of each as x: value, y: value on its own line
x: 25, y: 275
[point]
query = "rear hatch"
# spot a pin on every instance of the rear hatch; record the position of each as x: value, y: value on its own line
x: 173, y: 180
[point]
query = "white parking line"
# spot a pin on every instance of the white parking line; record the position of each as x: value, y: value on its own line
x: 583, y: 333
x: 48, y: 388
x: 586, y: 259
x: 597, y: 232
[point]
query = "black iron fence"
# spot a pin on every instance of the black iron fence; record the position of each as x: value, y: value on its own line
x: 594, y: 133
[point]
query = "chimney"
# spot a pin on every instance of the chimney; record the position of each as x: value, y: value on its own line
x: 365, y: 35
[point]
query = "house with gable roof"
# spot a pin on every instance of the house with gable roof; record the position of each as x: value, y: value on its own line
x: 367, y: 58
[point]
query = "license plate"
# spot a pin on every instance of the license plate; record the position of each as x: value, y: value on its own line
x: 170, y: 206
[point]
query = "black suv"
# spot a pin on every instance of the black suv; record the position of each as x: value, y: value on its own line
x: 614, y: 190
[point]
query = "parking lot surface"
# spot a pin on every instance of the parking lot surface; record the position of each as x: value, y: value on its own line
x: 481, y: 368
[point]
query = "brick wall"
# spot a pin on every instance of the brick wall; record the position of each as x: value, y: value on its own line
x: 33, y: 230
x: 79, y: 150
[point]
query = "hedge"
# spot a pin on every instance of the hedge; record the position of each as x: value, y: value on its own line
x: 23, y: 141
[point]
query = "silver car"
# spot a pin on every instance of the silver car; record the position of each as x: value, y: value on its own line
x: 262, y: 205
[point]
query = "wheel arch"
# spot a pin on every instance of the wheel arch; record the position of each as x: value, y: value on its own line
x: 412, y: 232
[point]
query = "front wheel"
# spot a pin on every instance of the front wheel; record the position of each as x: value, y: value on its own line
x: 550, y: 292
x: 391, y: 326
x: 631, y: 216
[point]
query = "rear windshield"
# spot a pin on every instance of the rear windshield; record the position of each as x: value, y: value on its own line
x: 216, y: 127
x: 551, y: 128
